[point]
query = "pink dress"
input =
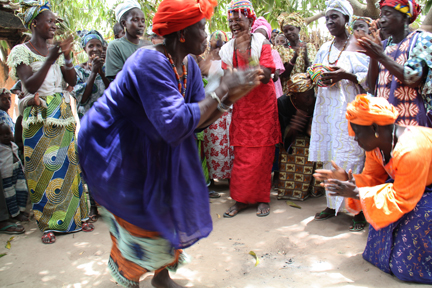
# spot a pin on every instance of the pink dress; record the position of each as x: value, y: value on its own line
x: 279, y: 66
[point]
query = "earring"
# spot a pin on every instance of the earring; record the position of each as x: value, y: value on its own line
x: 376, y: 135
x: 33, y: 24
x: 182, y: 39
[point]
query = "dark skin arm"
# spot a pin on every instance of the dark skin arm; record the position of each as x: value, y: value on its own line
x: 69, y: 75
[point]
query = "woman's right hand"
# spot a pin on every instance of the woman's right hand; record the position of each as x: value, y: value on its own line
x: 53, y: 53
x: 337, y: 173
x: 97, y: 64
x: 239, y: 83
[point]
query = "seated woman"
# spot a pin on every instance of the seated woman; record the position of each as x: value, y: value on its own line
x: 399, y: 210
x: 295, y: 118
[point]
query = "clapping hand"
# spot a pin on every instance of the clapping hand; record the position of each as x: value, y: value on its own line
x: 347, y: 189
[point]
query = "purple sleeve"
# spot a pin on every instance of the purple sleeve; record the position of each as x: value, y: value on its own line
x: 152, y: 79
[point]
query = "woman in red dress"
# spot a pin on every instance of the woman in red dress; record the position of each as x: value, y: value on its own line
x: 254, y: 128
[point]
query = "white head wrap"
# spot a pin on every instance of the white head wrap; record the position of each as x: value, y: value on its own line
x: 342, y: 6
x: 122, y: 8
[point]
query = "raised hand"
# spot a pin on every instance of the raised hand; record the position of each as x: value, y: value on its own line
x: 337, y: 173
x: 66, y: 45
x: 240, y: 83
x: 346, y: 189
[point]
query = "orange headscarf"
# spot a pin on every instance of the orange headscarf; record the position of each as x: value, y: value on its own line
x: 366, y: 110
x: 176, y: 15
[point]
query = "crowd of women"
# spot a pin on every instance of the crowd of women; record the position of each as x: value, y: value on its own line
x: 157, y: 121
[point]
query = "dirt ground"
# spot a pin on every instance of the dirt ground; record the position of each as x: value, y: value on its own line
x: 293, y: 251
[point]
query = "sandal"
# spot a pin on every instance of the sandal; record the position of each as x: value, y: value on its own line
x: 361, y: 226
x: 324, y: 215
x: 214, y: 194
x: 87, y: 227
x: 94, y: 214
x: 260, y: 210
x: 235, y: 208
x: 17, y: 229
x: 48, y: 238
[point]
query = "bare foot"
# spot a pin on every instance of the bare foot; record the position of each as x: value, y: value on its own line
x: 163, y: 280
x: 235, y: 209
x: 263, y: 209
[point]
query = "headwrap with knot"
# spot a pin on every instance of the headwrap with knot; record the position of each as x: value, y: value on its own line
x: 124, y: 7
x: 316, y: 72
x: 243, y: 7
x: 30, y: 9
x: 92, y: 34
x: 176, y: 15
x: 365, y: 19
x: 261, y: 23
x: 4, y: 91
x: 342, y: 6
x: 366, y: 110
x: 218, y: 38
x: 299, y: 83
x: 409, y: 7
x: 293, y: 19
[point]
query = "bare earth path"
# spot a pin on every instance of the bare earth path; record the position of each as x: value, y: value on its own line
x: 293, y: 251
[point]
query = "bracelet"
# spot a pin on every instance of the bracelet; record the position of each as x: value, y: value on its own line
x: 68, y: 61
x: 222, y: 107
x: 69, y: 67
x: 215, y: 97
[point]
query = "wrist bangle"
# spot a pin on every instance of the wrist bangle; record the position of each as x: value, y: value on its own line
x: 69, y: 67
x: 215, y: 97
x: 222, y: 107
x: 68, y: 61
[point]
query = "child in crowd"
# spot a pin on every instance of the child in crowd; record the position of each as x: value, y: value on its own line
x: 13, y: 179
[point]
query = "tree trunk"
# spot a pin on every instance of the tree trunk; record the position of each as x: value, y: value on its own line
x: 427, y: 23
x: 314, y: 18
x: 368, y: 10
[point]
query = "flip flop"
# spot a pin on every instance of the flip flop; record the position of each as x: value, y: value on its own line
x: 50, y: 236
x: 264, y: 214
x: 227, y: 215
x: 87, y: 225
x: 358, y: 222
x: 214, y: 194
x: 14, y: 225
x: 328, y: 216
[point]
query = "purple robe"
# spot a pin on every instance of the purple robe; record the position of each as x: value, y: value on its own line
x: 138, y: 153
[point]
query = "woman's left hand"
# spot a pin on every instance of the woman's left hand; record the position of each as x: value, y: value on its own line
x: 66, y: 45
x: 334, y: 76
x: 347, y: 189
x: 372, y: 47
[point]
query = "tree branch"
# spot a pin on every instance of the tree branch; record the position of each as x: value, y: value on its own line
x: 311, y: 19
x: 427, y: 22
x: 368, y: 10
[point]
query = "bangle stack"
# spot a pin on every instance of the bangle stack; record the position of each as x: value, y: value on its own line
x: 215, y: 97
x: 67, y: 63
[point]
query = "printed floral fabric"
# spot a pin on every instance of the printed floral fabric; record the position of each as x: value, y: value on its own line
x: 408, y: 101
x: 219, y: 153
x: 300, y: 65
x: 5, y: 118
x: 97, y: 90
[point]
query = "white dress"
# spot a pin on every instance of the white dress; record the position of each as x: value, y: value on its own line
x: 329, y: 137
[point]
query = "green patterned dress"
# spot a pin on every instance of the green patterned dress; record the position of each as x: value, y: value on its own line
x: 50, y: 159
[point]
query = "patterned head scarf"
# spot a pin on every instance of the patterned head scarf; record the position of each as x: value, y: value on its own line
x: 4, y: 91
x: 30, y: 9
x: 409, y: 7
x: 293, y: 19
x: 92, y: 34
x: 122, y: 8
x: 342, y: 6
x: 176, y: 15
x: 366, y: 110
x: 365, y: 19
x: 218, y: 38
x: 299, y: 83
x: 243, y: 7
x: 261, y: 23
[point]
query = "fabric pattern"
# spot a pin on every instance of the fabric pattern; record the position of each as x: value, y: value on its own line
x: 409, y: 7
x: 342, y: 6
x: 97, y: 90
x: 218, y: 151
x: 251, y: 174
x: 420, y: 57
x: 408, y: 101
x: 329, y: 134
x: 295, y: 172
x: 203, y: 159
x: 5, y: 118
x: 32, y: 8
x: 15, y: 190
x: 136, y: 251
x: 293, y: 19
x: 286, y: 55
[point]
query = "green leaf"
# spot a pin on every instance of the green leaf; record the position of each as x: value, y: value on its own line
x: 8, y: 243
x: 292, y: 204
x: 256, y: 257
x: 1, y: 255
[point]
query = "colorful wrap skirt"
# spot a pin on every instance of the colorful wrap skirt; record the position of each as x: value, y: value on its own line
x: 51, y: 166
x: 404, y: 248
x: 136, y: 251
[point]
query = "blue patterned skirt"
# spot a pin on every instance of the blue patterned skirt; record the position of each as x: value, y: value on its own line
x: 404, y: 248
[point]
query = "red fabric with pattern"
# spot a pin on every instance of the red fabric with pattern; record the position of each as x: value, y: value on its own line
x: 251, y: 174
x: 255, y: 119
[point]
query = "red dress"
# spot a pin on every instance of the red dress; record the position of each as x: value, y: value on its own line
x: 254, y: 132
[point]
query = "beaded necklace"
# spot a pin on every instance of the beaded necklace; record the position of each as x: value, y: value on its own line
x: 176, y: 74
x: 36, y: 49
x: 329, y: 52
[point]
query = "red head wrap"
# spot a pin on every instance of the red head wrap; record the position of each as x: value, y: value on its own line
x: 409, y: 7
x: 176, y: 15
